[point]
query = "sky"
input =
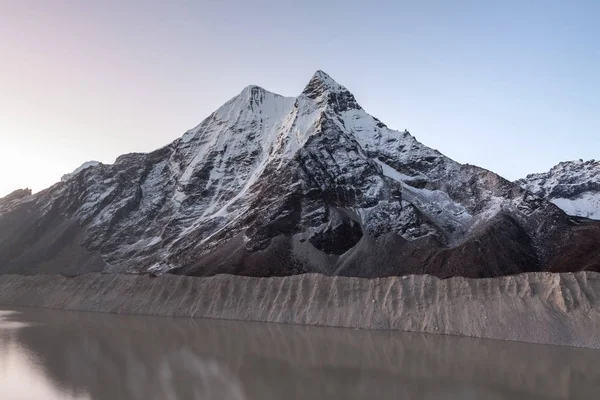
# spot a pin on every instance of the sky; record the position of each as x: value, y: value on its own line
x: 511, y: 86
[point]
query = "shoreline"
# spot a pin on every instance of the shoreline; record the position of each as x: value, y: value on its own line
x: 540, y: 307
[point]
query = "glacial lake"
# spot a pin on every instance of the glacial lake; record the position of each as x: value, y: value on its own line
x: 51, y: 355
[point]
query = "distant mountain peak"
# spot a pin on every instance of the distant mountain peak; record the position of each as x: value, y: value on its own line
x: 574, y: 186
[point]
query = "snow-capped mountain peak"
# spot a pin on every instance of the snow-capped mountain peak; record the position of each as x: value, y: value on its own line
x: 325, y: 91
x: 273, y: 185
x: 322, y: 82
x: 574, y: 186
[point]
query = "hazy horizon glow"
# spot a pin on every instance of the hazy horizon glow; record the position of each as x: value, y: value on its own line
x: 511, y: 87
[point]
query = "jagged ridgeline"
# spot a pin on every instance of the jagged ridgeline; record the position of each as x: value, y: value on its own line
x: 270, y: 186
x: 574, y: 186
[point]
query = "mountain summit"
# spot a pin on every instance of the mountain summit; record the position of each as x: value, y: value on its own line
x: 321, y: 83
x: 271, y: 185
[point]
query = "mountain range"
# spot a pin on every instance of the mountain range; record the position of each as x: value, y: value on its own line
x: 274, y: 186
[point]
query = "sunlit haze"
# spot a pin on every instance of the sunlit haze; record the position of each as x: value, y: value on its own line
x: 510, y: 86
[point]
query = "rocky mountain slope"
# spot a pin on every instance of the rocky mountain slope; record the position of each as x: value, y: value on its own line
x: 270, y: 185
x: 574, y: 186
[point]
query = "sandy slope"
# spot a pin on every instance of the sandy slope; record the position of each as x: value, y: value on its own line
x: 535, y: 307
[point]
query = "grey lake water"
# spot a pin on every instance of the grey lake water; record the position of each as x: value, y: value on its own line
x: 48, y: 355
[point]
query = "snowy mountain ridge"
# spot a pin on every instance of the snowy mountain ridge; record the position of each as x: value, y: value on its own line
x: 574, y: 186
x: 272, y: 185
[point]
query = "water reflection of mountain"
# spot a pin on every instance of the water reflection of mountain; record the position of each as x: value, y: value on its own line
x: 118, y: 357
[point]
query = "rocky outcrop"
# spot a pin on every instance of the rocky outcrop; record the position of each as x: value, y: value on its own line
x: 13, y: 199
x: 88, y: 164
x: 561, y: 309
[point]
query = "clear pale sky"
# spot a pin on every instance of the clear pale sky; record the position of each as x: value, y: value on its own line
x: 512, y: 86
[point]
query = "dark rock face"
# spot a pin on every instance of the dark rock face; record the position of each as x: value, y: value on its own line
x: 339, y: 239
x: 275, y: 186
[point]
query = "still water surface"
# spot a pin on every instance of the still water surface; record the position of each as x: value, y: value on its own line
x: 49, y: 355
